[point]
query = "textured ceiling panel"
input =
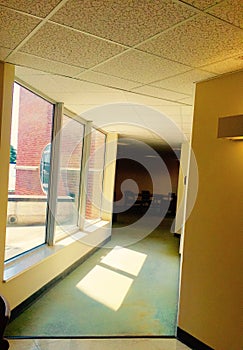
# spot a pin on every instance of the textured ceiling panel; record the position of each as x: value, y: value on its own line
x: 230, y: 11
x: 202, y: 4
x: 75, y: 85
x: 79, y: 109
x: 140, y: 66
x: 54, y: 84
x: 38, y: 8
x: 183, y: 82
x: 65, y: 45
x: 188, y: 100
x: 4, y: 53
x: 124, y: 21
x: 160, y: 93
x: 22, y: 72
x: 44, y: 83
x: 108, y: 80
x: 230, y: 65
x: 14, y: 27
x: 90, y: 98
x: 43, y: 64
x: 149, y: 101
x: 199, y: 41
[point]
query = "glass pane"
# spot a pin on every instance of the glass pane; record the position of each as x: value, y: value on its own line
x: 95, y: 176
x: 71, y: 145
x: 28, y: 175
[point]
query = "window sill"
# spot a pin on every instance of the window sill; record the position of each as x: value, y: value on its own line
x: 20, y: 264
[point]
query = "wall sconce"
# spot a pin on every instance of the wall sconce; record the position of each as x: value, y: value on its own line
x: 231, y: 127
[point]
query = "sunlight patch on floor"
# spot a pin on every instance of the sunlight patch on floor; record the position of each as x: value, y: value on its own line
x: 126, y: 260
x: 105, y: 286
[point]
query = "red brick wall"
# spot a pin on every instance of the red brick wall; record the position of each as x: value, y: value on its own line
x: 70, y: 157
x: 94, y: 186
x: 34, y: 133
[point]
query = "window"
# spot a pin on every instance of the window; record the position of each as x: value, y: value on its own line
x: 95, y: 176
x: 45, y: 166
x: 68, y: 189
x: 32, y: 121
x: 45, y: 176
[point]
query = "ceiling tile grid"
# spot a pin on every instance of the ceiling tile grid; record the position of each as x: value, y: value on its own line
x: 147, y: 100
x: 230, y: 11
x: 57, y: 43
x: 14, y: 27
x: 123, y: 21
x: 141, y: 67
x: 45, y: 65
x: 202, y: 4
x: 229, y: 65
x: 25, y: 72
x: 187, y: 101
x: 4, y: 53
x: 108, y: 80
x: 147, y: 52
x: 160, y: 93
x: 199, y: 41
x: 183, y: 83
x: 39, y: 8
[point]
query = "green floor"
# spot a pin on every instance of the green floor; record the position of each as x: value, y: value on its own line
x: 133, y: 291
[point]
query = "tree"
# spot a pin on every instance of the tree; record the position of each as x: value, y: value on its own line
x: 13, y: 155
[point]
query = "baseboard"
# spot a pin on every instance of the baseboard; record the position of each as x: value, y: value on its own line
x: 125, y: 336
x: 30, y: 300
x: 191, y: 341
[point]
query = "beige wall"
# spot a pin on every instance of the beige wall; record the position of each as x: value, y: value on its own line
x: 211, y: 285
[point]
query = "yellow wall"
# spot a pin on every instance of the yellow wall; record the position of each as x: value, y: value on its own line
x: 181, y: 192
x: 6, y: 91
x: 211, y: 285
x: 109, y: 176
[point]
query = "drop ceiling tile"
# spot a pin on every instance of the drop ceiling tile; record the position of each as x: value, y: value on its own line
x: 186, y: 113
x: 202, y: 4
x: 160, y: 93
x: 80, y: 109
x: 38, y: 8
x: 124, y: 21
x: 43, y: 83
x: 43, y: 64
x: 183, y: 83
x: 65, y: 89
x: 199, y: 41
x: 226, y: 66
x: 4, y: 53
x: 172, y: 111
x: 188, y: 101
x: 70, y: 85
x: 146, y: 100
x: 88, y: 98
x: 23, y: 71
x: 23, y: 25
x: 141, y: 67
x: 108, y: 80
x: 68, y: 46
x: 230, y: 11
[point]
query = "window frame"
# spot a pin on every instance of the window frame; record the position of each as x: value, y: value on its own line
x: 59, y: 110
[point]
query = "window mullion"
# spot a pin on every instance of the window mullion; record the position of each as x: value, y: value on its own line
x: 54, y: 174
x: 84, y: 174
